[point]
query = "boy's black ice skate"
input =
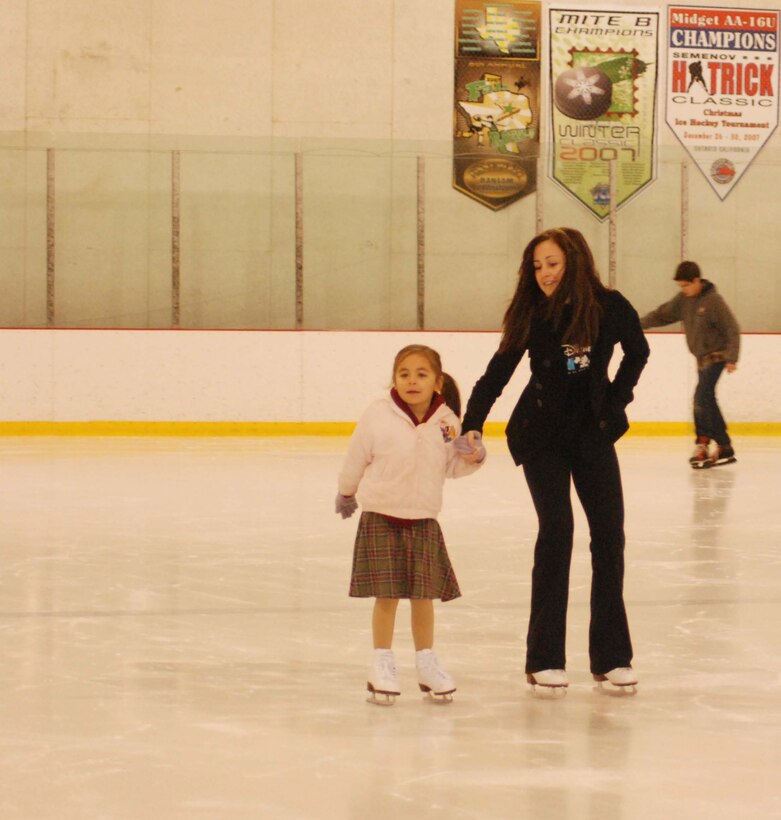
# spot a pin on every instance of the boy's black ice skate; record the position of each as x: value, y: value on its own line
x: 700, y: 457
x: 722, y: 455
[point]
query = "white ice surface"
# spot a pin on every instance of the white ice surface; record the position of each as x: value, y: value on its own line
x: 176, y: 641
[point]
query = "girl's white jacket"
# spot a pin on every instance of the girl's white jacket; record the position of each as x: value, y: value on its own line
x: 398, y: 469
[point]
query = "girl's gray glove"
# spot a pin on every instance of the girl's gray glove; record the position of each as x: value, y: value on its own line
x: 471, y: 444
x: 346, y: 505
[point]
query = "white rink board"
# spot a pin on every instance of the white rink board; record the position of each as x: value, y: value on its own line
x: 310, y: 376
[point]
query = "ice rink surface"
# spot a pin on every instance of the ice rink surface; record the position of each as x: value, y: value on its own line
x: 176, y: 641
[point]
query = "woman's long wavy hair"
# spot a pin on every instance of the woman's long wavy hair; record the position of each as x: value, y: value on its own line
x: 579, y: 289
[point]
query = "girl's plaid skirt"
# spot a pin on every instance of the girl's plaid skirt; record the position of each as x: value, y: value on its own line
x: 401, y: 561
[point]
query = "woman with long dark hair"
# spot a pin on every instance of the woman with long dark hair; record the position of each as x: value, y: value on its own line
x: 563, y: 430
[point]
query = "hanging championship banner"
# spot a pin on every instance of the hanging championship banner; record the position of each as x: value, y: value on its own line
x: 497, y: 100
x: 603, y: 90
x: 722, y: 87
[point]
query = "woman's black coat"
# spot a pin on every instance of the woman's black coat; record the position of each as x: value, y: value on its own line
x: 541, y: 412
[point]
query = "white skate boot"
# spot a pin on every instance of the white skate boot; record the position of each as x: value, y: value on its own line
x: 550, y: 682
x: 432, y: 678
x: 623, y: 680
x: 383, y: 682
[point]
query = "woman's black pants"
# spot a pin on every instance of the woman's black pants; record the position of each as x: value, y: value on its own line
x: 595, y: 473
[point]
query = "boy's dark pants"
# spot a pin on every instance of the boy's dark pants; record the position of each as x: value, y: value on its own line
x: 597, y: 481
x: 708, y: 420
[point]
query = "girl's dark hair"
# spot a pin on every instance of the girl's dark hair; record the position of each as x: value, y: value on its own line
x: 579, y: 288
x: 450, y: 392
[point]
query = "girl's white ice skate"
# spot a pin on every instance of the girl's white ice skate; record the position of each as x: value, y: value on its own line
x: 432, y: 678
x: 383, y: 682
x: 549, y: 682
x: 623, y: 680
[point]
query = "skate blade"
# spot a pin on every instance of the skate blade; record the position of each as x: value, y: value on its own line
x: 380, y: 698
x: 439, y: 699
x: 546, y: 690
x: 436, y: 697
x: 375, y: 698
x: 707, y: 465
x: 613, y: 690
x: 536, y: 690
x: 724, y: 462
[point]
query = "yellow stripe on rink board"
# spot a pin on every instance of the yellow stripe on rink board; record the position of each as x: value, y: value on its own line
x: 305, y: 428
x: 676, y: 428
x: 682, y: 428
x: 175, y: 428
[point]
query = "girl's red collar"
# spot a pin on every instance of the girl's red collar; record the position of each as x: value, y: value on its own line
x: 436, y: 402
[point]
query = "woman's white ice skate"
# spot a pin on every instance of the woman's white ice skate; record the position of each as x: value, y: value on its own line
x: 432, y: 678
x: 548, y: 682
x: 383, y: 682
x: 623, y: 681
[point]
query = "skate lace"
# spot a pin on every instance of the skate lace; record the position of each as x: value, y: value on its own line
x: 431, y: 666
x: 386, y: 666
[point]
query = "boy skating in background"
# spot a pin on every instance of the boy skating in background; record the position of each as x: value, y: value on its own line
x: 713, y: 337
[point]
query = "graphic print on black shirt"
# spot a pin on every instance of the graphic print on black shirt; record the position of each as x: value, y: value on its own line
x: 578, y: 358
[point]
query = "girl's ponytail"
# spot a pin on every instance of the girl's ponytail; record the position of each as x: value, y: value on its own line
x: 451, y: 394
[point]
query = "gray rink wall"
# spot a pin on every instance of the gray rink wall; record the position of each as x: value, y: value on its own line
x: 287, y: 140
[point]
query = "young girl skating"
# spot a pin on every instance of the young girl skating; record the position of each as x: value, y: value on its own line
x: 396, y: 464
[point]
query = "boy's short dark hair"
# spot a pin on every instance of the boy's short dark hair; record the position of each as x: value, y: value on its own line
x: 687, y: 272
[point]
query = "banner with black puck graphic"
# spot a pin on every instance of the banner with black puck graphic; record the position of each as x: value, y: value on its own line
x: 603, y: 67
x: 496, y: 115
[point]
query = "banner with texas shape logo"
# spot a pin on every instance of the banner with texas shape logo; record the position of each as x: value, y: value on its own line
x: 603, y: 90
x: 496, y: 115
x: 722, y: 87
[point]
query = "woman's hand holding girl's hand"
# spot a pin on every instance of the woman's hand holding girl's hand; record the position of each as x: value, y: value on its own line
x: 346, y: 505
x: 470, y: 447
